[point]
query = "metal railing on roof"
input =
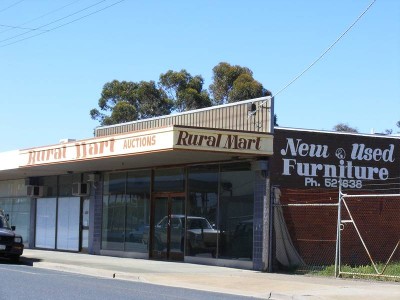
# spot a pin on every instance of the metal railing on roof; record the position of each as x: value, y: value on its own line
x: 255, y: 115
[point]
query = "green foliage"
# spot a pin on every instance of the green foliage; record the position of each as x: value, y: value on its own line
x: 128, y: 101
x: 245, y: 87
x: 224, y: 77
x: 124, y: 101
x: 122, y: 112
x: 364, y: 272
x: 185, y: 90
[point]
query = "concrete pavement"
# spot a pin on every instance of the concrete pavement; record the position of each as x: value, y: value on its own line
x: 211, y: 278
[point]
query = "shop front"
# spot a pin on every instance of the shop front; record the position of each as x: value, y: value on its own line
x: 191, y: 187
x: 200, y: 213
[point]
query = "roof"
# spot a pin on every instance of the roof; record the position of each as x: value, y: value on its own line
x: 338, y: 132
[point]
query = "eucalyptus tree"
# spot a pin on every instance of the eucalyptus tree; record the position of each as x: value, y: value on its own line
x: 186, y: 91
x: 124, y: 101
x: 234, y: 83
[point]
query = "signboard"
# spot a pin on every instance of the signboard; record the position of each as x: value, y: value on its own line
x: 168, y: 138
x: 223, y: 141
x: 118, y: 145
x: 321, y: 159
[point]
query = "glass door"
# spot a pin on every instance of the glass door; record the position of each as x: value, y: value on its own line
x: 167, y: 234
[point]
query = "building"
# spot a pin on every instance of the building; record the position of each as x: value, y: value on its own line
x: 307, y: 169
x: 216, y: 186
x: 186, y: 187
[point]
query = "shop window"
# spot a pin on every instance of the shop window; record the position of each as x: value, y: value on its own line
x: 236, y: 204
x: 113, y: 222
x: 126, y: 210
x: 137, y: 210
x: 202, y: 229
x: 169, y: 180
x: 16, y: 205
x: 13, y: 188
x: 65, y: 184
x: 50, y: 183
x: 18, y: 210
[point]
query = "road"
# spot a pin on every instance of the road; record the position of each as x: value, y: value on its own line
x: 20, y: 281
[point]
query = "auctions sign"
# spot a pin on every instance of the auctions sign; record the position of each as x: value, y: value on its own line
x: 95, y: 148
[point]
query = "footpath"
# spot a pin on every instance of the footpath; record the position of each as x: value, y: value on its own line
x: 212, y: 278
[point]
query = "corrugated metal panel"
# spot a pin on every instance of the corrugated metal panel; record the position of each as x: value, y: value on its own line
x: 234, y: 116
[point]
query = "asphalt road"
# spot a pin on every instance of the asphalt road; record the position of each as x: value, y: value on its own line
x: 19, y: 281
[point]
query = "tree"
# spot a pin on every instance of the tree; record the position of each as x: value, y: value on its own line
x: 129, y: 101
x: 234, y: 83
x: 124, y: 101
x: 344, y: 128
x: 185, y: 90
x: 390, y: 131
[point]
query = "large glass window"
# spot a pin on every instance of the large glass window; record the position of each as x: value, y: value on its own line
x: 169, y: 180
x: 202, y: 233
x: 16, y: 205
x: 14, y: 188
x: 236, y: 211
x: 137, y: 210
x: 220, y: 211
x: 18, y: 210
x: 114, y: 211
x: 126, y: 210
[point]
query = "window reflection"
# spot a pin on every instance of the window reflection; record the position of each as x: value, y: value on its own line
x: 137, y: 210
x: 18, y: 210
x: 202, y: 232
x: 169, y: 180
x: 126, y: 210
x: 224, y: 199
x: 236, y: 211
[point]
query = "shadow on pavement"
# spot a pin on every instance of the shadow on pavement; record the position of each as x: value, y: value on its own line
x: 22, y: 261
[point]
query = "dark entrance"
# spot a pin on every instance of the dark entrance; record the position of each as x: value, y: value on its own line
x: 167, y: 235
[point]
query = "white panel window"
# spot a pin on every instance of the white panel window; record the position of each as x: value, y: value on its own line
x: 68, y: 223
x: 46, y: 223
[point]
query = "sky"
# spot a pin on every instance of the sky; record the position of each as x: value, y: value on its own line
x: 55, y: 57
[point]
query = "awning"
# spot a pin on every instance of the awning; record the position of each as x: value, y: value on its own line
x: 168, y: 146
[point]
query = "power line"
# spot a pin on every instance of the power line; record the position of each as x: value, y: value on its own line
x: 41, y: 16
x: 8, y: 7
x: 65, y: 24
x: 326, y: 51
x: 319, y: 58
x: 55, y: 21
x: 17, y: 27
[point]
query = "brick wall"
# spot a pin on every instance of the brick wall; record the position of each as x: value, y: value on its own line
x: 313, y: 228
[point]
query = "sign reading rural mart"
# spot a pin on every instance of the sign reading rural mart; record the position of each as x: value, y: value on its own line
x: 168, y: 138
x: 223, y: 141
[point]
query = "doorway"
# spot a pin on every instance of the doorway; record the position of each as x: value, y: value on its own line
x: 167, y: 235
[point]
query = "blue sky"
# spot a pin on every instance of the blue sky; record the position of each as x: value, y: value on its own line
x: 50, y: 82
